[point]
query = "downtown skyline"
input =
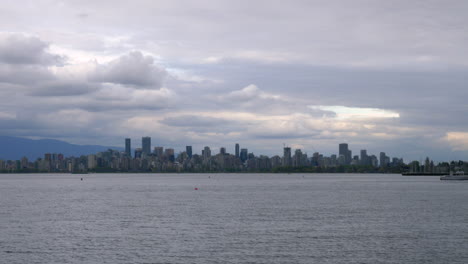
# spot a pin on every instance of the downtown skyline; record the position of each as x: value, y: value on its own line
x: 309, y: 74
x: 160, y: 160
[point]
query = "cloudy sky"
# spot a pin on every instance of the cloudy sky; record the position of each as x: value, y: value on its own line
x: 381, y: 75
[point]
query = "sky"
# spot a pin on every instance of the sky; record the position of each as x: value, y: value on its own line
x: 380, y: 75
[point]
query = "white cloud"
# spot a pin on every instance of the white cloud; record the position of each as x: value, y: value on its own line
x: 249, y: 93
x: 457, y: 140
x: 344, y: 112
x: 133, y: 69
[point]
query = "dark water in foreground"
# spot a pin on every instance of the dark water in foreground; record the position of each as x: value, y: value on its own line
x: 232, y: 218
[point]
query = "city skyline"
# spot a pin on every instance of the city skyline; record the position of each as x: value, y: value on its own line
x: 307, y: 73
x: 344, y: 153
x: 163, y: 159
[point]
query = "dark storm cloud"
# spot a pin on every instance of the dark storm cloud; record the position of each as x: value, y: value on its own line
x: 132, y: 69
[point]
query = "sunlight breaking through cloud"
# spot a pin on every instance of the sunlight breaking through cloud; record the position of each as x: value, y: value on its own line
x: 344, y: 112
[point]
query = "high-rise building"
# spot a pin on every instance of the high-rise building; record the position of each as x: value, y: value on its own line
x: 222, y: 151
x: 237, y: 150
x: 138, y: 153
x: 364, y: 158
x: 297, y: 159
x: 169, y: 153
x: 206, y: 152
x: 383, y: 158
x: 159, y: 151
x: 188, y: 149
x: 343, y: 150
x: 243, y: 155
x: 287, y: 162
x: 128, y: 147
x: 92, y: 162
x: 146, y: 145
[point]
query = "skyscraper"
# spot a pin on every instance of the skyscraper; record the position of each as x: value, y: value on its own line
x: 128, y: 147
x: 343, y: 150
x: 237, y: 150
x: 364, y: 158
x: 159, y: 151
x: 222, y: 151
x: 146, y: 145
x: 138, y: 153
x: 382, y: 159
x: 169, y: 153
x: 287, y: 162
x: 243, y: 155
x: 188, y: 149
x: 206, y: 152
x: 297, y: 159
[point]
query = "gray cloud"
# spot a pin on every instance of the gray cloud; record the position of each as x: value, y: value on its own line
x: 215, y: 72
x: 63, y: 88
x: 132, y: 69
x: 21, y: 49
x: 194, y: 121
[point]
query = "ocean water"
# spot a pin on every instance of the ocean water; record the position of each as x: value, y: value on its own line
x: 232, y: 218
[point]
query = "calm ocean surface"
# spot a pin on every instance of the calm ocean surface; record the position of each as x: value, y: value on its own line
x: 232, y: 218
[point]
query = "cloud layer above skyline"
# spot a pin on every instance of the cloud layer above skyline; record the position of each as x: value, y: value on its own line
x: 382, y: 76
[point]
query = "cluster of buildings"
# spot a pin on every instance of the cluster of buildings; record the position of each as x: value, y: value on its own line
x: 160, y: 159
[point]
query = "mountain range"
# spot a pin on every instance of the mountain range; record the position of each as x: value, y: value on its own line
x: 14, y: 148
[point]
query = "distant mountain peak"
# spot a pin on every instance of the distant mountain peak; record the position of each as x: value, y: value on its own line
x: 14, y: 148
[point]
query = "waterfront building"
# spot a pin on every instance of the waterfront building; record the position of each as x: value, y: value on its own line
x: 297, y: 159
x: 343, y: 150
x: 146, y: 145
x: 92, y: 162
x: 383, y: 159
x: 275, y: 161
x: 188, y: 149
x: 237, y: 150
x: 169, y: 153
x: 287, y: 162
x: 243, y: 155
x: 364, y: 157
x: 138, y: 153
x: 159, y: 151
x: 222, y: 151
x: 128, y: 147
x: 206, y: 152
x: 342, y: 160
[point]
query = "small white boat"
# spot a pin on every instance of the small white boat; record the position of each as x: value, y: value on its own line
x: 458, y: 176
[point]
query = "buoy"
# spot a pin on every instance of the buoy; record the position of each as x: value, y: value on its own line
x: 196, y: 189
x: 81, y: 178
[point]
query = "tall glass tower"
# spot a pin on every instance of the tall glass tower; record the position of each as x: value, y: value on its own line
x: 128, y: 147
x: 146, y: 145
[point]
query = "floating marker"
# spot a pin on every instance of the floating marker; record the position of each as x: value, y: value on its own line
x: 196, y: 189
